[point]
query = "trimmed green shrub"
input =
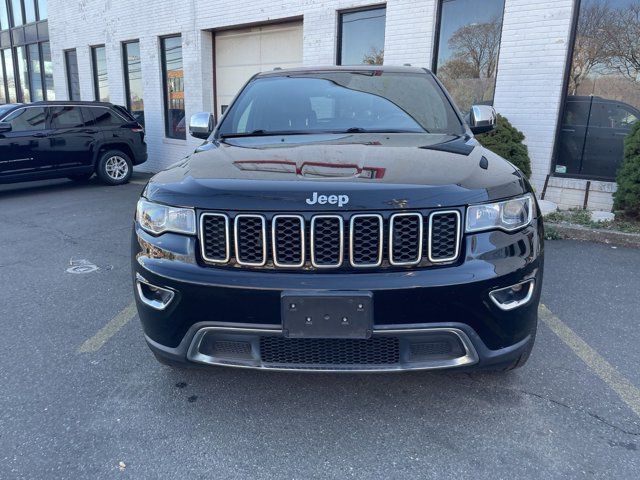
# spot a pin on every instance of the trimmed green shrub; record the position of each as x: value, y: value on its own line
x: 506, y: 141
x: 627, y: 197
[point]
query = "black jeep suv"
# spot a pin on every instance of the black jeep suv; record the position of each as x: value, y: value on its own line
x: 69, y: 139
x: 340, y: 219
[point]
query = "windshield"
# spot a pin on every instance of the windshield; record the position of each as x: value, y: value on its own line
x: 341, y: 102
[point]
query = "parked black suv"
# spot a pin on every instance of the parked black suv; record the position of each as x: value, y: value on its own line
x: 340, y: 219
x: 69, y: 139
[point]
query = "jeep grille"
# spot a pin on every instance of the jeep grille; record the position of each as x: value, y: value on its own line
x: 330, y: 241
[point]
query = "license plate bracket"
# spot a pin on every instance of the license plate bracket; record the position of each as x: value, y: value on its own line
x: 327, y: 314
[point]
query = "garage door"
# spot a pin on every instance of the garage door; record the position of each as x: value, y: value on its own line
x: 242, y: 53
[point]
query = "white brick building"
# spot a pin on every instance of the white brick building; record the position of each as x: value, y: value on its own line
x: 223, y: 42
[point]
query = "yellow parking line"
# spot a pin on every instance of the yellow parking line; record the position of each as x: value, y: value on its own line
x: 96, y: 342
x: 628, y: 392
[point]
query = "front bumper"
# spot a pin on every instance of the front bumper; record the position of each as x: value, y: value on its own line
x: 232, y: 317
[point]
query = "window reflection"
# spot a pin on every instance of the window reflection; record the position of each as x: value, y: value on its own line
x: 4, y: 16
x: 30, y: 11
x: 47, y: 66
x: 174, y: 87
x: 27, y: 119
x: 133, y: 76
x: 43, y: 13
x: 23, y: 73
x: 362, y: 37
x: 468, y: 47
x: 16, y: 9
x: 73, y: 79
x: 35, y: 77
x: 100, y: 76
x: 3, y: 95
x: 603, y: 94
x: 12, y: 93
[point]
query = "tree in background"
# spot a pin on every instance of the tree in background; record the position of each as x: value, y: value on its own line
x: 623, y: 42
x: 591, y: 45
x: 627, y: 197
x: 468, y: 74
x: 477, y: 45
x: 374, y: 57
x: 506, y: 141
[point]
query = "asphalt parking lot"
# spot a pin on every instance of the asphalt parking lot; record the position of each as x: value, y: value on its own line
x: 84, y: 398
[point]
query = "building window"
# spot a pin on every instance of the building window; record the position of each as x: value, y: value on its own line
x: 43, y: 13
x: 29, y: 11
x: 16, y: 10
x: 361, y: 37
x: 35, y: 70
x: 10, y: 77
x: 4, y: 16
x: 173, y: 80
x: 3, y: 92
x: 100, y: 76
x: 467, y: 50
x: 602, y: 100
x: 23, y: 73
x: 133, y: 79
x: 73, y: 78
x: 47, y: 68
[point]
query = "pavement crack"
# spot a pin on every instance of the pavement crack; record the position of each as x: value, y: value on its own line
x: 559, y: 403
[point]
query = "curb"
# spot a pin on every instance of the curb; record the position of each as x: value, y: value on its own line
x: 569, y: 231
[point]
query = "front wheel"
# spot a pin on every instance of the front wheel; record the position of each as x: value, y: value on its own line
x: 114, y: 168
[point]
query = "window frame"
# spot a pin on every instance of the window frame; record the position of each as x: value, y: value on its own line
x: 339, y: 34
x: 67, y: 74
x: 94, y: 71
x: 126, y: 73
x: 165, y: 85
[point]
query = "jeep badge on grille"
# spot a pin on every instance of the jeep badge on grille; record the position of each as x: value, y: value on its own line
x: 340, y: 200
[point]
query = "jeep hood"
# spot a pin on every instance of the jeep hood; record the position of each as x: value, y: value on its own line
x: 376, y: 171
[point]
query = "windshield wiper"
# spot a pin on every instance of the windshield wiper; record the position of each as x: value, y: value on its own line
x: 264, y: 133
x: 277, y: 133
x: 379, y: 130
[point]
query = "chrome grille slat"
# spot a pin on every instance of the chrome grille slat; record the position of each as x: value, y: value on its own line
x: 287, y: 240
x: 320, y: 241
x: 216, y: 228
x: 444, y: 236
x: 325, y: 251
x: 405, y: 239
x: 250, y: 237
x: 366, y: 240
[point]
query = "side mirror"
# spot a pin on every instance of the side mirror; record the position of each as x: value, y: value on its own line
x: 5, y: 127
x: 482, y: 119
x: 201, y: 125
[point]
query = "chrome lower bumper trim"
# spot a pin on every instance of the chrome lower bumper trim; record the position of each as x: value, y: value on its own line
x: 470, y: 356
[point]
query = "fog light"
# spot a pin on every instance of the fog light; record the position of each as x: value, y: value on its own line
x: 155, y: 297
x: 514, y: 296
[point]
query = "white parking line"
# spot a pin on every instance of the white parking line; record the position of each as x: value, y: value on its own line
x: 628, y: 392
x: 103, y: 335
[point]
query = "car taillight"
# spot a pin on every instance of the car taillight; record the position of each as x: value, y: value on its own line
x: 137, y: 130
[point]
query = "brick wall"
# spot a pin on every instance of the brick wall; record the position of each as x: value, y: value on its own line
x: 533, y: 57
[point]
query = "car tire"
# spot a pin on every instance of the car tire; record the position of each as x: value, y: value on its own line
x: 81, y: 177
x: 114, y: 167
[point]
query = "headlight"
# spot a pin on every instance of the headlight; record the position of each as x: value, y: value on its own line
x: 156, y: 218
x: 508, y: 215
